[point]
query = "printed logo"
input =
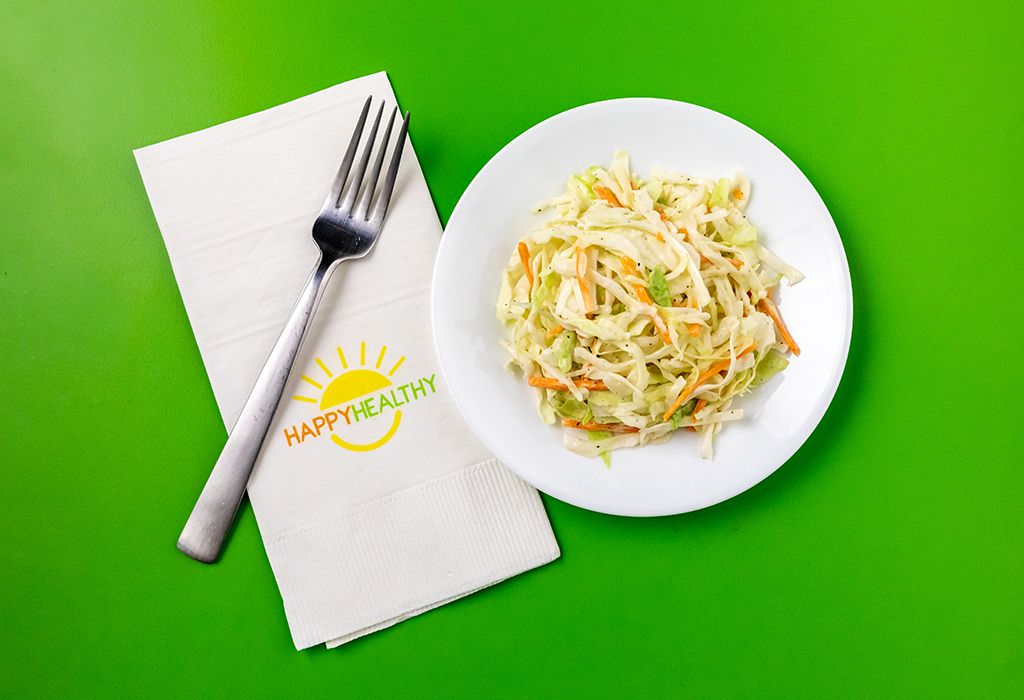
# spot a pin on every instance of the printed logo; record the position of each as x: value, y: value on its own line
x: 357, y: 402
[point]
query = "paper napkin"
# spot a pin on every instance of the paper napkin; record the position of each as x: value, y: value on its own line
x: 374, y: 500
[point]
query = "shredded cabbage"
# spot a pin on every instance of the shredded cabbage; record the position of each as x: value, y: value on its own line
x: 771, y: 364
x: 642, y: 304
x: 657, y: 285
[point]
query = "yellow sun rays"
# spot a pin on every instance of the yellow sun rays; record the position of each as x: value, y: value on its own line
x: 344, y: 366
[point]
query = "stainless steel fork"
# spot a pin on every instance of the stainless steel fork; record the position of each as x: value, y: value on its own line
x: 344, y: 230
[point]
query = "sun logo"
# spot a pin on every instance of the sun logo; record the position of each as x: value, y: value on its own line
x: 357, y: 395
x: 352, y: 384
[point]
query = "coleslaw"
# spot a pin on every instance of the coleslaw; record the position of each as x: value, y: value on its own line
x: 643, y: 307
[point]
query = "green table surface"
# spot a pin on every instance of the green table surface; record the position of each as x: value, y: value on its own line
x: 884, y: 559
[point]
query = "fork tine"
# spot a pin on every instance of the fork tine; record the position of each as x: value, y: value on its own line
x: 352, y: 188
x: 381, y: 207
x: 346, y: 163
x: 371, y: 182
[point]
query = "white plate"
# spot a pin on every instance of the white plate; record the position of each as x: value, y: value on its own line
x: 495, y: 211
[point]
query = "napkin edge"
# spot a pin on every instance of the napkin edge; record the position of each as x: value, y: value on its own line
x: 404, y: 553
x: 203, y: 133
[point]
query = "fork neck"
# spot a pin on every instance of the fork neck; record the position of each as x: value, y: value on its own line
x: 315, y: 284
x: 325, y: 264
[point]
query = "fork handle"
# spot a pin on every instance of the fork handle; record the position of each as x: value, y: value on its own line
x: 214, y: 512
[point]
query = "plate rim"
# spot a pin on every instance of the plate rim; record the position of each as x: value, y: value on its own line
x: 811, y: 425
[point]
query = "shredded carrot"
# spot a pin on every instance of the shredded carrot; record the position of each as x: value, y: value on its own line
x: 694, y: 328
x: 738, y: 264
x: 524, y: 258
x: 737, y: 193
x: 701, y: 403
x: 629, y: 266
x: 659, y: 324
x: 610, y: 427
x: 546, y: 383
x: 685, y: 234
x: 720, y: 366
x: 554, y: 384
x: 768, y: 306
x: 555, y: 331
x: 641, y: 291
x: 581, y: 277
x: 664, y: 218
x: 607, y: 195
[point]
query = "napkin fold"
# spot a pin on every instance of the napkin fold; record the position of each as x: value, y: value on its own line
x: 374, y: 500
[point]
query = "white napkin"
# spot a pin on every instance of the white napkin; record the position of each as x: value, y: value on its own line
x: 374, y: 500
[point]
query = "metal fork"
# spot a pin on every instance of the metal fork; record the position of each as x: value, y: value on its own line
x: 345, y: 229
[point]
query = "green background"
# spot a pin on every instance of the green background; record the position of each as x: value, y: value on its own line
x: 885, y: 558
